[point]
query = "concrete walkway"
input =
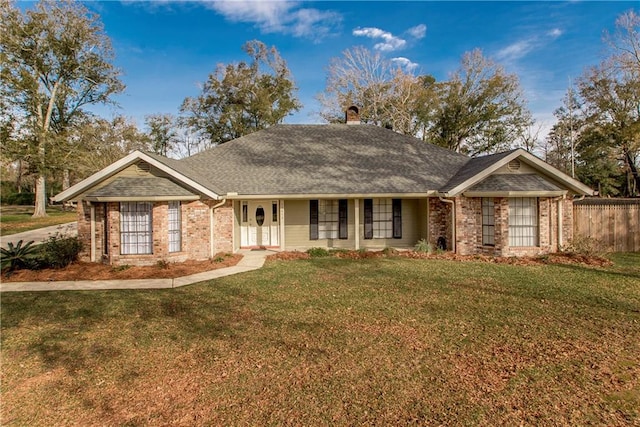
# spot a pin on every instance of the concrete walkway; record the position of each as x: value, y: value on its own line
x: 41, y: 234
x: 251, y: 260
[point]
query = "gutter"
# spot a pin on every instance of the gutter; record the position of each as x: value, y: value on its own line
x: 453, y: 222
x: 211, y: 222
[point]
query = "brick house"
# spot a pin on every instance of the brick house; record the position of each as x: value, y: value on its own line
x: 292, y: 187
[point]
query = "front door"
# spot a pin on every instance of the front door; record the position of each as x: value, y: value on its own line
x: 259, y: 223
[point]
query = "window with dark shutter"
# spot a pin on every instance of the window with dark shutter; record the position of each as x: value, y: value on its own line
x: 397, y: 219
x: 313, y: 220
x: 343, y: 226
x: 368, y: 218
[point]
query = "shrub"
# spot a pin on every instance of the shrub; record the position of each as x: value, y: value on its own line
x: 390, y: 252
x: 162, y: 264
x: 18, y: 256
x: 317, y: 252
x: 20, y: 199
x: 423, y: 246
x: 59, y: 251
x: 584, y: 246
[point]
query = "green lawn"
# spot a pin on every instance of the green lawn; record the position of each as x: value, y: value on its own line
x: 334, y: 342
x: 16, y: 219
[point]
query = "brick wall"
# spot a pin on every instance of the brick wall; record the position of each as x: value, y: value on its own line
x: 196, y: 233
x: 439, y: 222
x: 469, y: 227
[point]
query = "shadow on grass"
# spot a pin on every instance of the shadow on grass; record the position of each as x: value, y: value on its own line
x: 76, y: 330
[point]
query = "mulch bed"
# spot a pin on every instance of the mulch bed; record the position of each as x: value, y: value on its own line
x: 96, y: 271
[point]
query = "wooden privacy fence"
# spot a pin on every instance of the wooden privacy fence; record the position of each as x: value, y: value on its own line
x: 613, y: 223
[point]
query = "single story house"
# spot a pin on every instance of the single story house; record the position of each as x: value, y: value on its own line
x: 293, y: 187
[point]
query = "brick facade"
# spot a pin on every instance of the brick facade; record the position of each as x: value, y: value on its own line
x: 469, y: 227
x: 196, y: 233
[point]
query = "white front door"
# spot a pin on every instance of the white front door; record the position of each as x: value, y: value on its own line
x: 259, y: 223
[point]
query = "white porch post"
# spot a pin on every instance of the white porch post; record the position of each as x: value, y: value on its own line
x: 357, y: 222
x: 281, y: 238
x: 93, y: 232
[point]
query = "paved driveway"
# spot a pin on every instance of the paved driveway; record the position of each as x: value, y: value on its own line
x: 41, y: 234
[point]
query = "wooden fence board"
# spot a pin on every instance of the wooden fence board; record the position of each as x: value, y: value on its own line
x: 614, y: 223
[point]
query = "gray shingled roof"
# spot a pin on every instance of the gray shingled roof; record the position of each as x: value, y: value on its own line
x: 322, y: 159
x: 141, y: 187
x: 472, y: 168
x: 514, y: 182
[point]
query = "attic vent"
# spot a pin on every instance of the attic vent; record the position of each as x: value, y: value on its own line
x: 143, y: 168
x: 514, y: 165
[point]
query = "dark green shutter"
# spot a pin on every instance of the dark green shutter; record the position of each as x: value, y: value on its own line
x: 368, y: 218
x: 397, y: 219
x: 313, y: 220
x: 343, y: 225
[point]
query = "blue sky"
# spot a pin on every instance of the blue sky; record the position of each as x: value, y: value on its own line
x: 165, y: 49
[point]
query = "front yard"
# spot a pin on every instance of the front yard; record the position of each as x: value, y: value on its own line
x: 17, y: 219
x: 333, y: 341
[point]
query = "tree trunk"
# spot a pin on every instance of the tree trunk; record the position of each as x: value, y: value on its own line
x: 41, y: 198
x: 65, y: 179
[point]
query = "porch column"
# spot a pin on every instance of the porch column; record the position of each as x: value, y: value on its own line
x: 281, y: 239
x: 357, y: 222
x: 93, y: 232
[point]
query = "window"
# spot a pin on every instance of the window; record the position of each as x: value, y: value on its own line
x: 382, y: 218
x: 175, y: 227
x: 523, y: 221
x: 135, y: 228
x: 328, y: 219
x: 274, y: 211
x: 488, y: 222
x: 245, y: 212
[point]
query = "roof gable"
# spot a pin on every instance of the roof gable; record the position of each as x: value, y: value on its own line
x: 479, y: 168
x: 161, y: 163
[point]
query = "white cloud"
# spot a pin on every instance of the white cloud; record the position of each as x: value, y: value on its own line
x: 390, y: 42
x: 418, y: 32
x: 279, y: 17
x: 555, y: 33
x: 515, y: 50
x: 405, y: 62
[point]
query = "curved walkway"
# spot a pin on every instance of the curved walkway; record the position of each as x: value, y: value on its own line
x: 251, y: 260
x: 41, y: 234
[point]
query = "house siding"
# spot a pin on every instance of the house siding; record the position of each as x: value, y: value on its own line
x: 296, y: 229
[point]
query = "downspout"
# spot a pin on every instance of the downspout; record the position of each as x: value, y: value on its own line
x: 211, y: 236
x: 453, y: 222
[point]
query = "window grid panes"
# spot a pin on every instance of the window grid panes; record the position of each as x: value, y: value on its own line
x: 488, y: 222
x: 523, y: 221
x: 175, y: 227
x: 327, y: 219
x: 382, y: 218
x: 274, y: 211
x: 135, y: 228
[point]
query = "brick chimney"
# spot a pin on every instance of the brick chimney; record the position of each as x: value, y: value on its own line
x: 352, y: 115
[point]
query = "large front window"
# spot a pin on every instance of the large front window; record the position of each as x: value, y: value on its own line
x: 327, y: 219
x: 136, y: 235
x: 523, y: 221
x: 382, y: 219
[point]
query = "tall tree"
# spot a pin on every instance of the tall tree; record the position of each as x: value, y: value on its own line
x: 610, y: 92
x: 388, y: 95
x: 162, y: 131
x: 95, y: 143
x: 56, y: 59
x: 481, y: 108
x: 241, y: 98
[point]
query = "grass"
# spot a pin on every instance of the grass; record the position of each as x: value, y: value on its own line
x: 16, y: 219
x: 330, y: 341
